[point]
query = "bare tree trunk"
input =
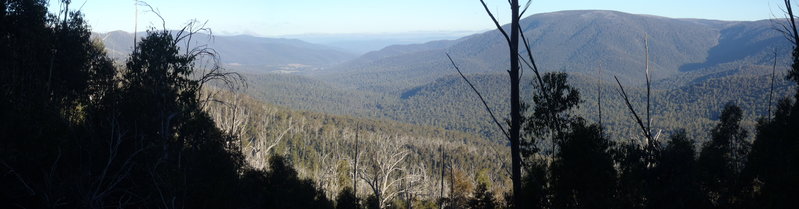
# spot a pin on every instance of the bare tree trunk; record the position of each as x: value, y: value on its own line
x: 599, y: 93
x: 771, y: 92
x: 441, y: 192
x: 355, y: 164
x: 515, y: 105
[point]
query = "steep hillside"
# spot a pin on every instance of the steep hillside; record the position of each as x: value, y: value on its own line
x: 578, y: 41
x: 448, y: 102
x: 698, y: 66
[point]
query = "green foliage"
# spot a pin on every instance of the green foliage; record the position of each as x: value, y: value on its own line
x: 534, y: 185
x: 721, y: 159
x: 551, y: 112
x: 582, y: 173
x: 80, y: 133
x: 771, y: 171
x: 425, y: 204
x: 675, y: 183
x: 633, y: 175
x: 482, y: 198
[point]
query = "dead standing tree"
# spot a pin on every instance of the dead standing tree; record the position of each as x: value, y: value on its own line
x: 514, y: 132
x: 384, y: 171
x: 650, y: 142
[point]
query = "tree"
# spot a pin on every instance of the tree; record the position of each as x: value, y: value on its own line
x: 383, y: 171
x: 634, y: 175
x: 482, y: 198
x: 676, y: 184
x: 722, y: 158
x: 347, y: 200
x: 461, y: 188
x: 551, y: 114
x: 772, y: 171
x: 286, y: 190
x: 80, y: 132
x: 513, y: 134
x: 534, y: 185
x: 583, y: 175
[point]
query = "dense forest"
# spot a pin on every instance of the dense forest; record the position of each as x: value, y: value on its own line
x: 79, y: 131
x: 167, y: 127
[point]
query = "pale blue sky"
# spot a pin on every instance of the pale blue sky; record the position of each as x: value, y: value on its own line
x: 285, y: 17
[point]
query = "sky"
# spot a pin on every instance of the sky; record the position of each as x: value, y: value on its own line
x: 292, y: 17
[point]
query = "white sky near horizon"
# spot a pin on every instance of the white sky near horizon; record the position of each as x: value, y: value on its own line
x: 292, y: 17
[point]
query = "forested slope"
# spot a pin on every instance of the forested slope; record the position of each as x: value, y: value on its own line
x: 323, y: 148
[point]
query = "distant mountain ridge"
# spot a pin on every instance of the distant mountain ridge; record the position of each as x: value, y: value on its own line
x: 577, y: 42
x: 697, y: 65
x: 244, y: 51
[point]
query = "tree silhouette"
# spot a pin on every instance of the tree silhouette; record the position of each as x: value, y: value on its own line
x: 675, y: 183
x: 482, y: 198
x: 634, y: 175
x: 534, y: 185
x: 347, y: 200
x: 582, y: 173
x: 722, y: 158
x: 772, y: 172
x: 84, y: 134
x: 551, y: 113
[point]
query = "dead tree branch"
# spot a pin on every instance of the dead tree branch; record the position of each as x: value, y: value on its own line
x: 632, y: 110
x: 493, y: 117
x: 496, y: 23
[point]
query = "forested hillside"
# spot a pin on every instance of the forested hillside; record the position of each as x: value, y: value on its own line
x: 168, y: 126
x: 695, y: 65
x: 579, y: 41
x: 79, y: 131
x: 690, y: 103
x: 322, y: 147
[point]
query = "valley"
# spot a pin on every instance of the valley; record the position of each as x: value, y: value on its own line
x: 697, y: 67
x: 389, y: 105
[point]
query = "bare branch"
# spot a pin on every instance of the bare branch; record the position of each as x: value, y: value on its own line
x: 648, y: 88
x: 783, y: 27
x: 632, y: 110
x: 493, y: 117
x: 526, y: 6
x: 771, y: 92
x: 551, y: 116
x: 496, y: 23
x: 19, y: 178
x: 156, y: 12
x: 792, y: 20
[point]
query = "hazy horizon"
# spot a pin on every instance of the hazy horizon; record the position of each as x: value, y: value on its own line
x: 293, y: 18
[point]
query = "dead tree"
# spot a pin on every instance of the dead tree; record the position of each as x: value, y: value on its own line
x: 599, y: 93
x: 355, y: 163
x: 514, y: 132
x: 265, y: 140
x: 771, y: 91
x: 230, y: 115
x: 384, y: 169
x: 650, y: 142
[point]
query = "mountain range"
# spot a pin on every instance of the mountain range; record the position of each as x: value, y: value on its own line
x: 244, y: 52
x: 579, y: 42
x: 696, y: 65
